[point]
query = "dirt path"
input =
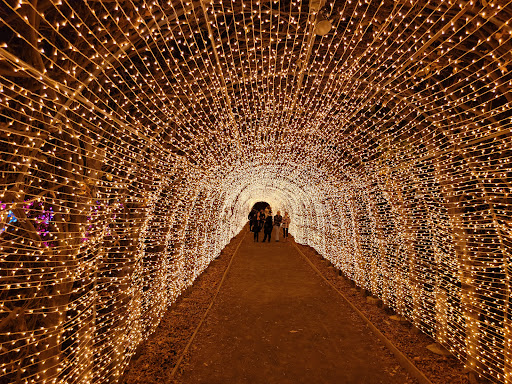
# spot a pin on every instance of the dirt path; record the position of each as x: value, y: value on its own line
x: 276, y: 321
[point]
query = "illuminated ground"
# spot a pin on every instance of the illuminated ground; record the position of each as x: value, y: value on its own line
x: 276, y: 321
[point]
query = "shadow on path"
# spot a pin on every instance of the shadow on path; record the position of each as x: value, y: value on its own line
x: 276, y: 321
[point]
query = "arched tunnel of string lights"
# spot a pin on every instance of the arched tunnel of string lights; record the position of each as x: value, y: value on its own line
x: 136, y: 135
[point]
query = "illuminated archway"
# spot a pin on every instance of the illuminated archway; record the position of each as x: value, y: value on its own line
x: 136, y: 136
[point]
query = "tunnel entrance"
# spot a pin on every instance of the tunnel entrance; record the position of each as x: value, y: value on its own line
x: 261, y: 205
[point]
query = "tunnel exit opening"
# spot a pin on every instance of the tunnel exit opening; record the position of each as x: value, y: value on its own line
x: 261, y: 205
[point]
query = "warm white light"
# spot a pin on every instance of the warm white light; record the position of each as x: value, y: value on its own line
x: 136, y: 136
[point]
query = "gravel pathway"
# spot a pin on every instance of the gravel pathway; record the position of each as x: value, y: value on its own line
x: 276, y: 321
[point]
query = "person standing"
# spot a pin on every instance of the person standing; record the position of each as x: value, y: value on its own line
x: 253, y: 214
x: 267, y: 228
x: 286, y: 225
x: 255, y: 226
x: 277, y: 223
x: 261, y: 218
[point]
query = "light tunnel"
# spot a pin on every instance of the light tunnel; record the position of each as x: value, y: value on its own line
x: 137, y: 135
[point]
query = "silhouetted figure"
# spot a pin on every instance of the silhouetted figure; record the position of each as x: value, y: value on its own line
x: 252, y: 215
x: 267, y: 228
x: 261, y: 217
x: 255, y: 227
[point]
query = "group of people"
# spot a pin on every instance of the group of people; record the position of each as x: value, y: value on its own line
x: 264, y: 220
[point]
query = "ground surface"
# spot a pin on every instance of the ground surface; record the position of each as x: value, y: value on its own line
x: 157, y: 356
x: 412, y: 343
x: 276, y: 321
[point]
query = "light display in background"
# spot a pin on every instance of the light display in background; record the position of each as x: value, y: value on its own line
x: 136, y: 135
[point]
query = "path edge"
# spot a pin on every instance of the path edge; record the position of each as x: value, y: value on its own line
x: 185, y: 350
x: 404, y: 361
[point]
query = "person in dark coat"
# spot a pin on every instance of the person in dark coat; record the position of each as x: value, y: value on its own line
x: 267, y: 228
x: 255, y: 226
x: 253, y: 214
x: 261, y: 218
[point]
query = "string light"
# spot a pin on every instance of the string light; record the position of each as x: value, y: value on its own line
x: 136, y: 135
